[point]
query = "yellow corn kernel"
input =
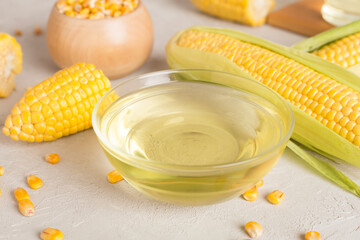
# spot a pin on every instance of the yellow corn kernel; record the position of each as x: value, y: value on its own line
x: 55, y: 107
x: 51, y: 234
x: 34, y: 182
x: 253, y: 229
x: 312, y: 235
x: 114, y: 176
x: 259, y: 183
x: 84, y: 12
x: 52, y: 158
x: 117, y: 14
x: 26, y: 207
x: 21, y: 194
x: 276, y: 197
x: 1, y: 170
x: 251, y: 194
x: 70, y: 13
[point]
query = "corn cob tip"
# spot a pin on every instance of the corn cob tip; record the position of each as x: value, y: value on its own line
x: 250, y: 12
x: 10, y: 64
x: 59, y: 106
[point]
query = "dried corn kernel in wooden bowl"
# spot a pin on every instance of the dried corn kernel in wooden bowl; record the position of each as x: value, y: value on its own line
x: 89, y: 9
x: 115, y: 35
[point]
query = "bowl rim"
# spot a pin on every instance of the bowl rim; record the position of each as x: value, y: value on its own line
x: 144, y: 163
x: 139, y: 6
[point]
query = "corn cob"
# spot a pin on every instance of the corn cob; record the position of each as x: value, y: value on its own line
x: 250, y: 12
x: 59, y: 106
x: 339, y: 45
x: 324, y: 96
x: 10, y: 63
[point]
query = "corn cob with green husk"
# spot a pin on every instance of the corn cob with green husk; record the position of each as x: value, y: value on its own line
x: 325, y: 97
x: 10, y: 63
x: 340, y: 45
x: 250, y: 12
x: 59, y: 106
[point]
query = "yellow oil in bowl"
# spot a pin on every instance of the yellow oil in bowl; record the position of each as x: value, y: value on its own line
x: 191, y: 142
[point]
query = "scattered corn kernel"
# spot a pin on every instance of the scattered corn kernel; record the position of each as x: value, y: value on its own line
x: 114, y: 176
x: 34, y: 182
x: 253, y: 229
x: 312, y: 235
x: 26, y: 207
x: 52, y: 158
x: 276, y: 197
x: 1, y: 170
x: 96, y: 9
x: 18, y: 33
x: 37, y: 30
x: 21, y: 194
x: 251, y: 194
x: 259, y: 183
x: 51, y: 234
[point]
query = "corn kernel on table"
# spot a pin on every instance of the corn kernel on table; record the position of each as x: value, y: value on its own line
x: 77, y: 198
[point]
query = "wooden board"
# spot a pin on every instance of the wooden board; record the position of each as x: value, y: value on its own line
x: 302, y: 17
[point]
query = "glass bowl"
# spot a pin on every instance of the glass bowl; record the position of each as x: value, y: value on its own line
x: 182, y: 136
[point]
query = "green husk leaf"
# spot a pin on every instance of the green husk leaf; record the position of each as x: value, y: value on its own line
x: 314, y: 43
x: 326, y: 169
x: 355, y: 69
x: 308, y: 131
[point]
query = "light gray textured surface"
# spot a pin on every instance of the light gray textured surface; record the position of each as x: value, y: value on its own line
x: 77, y: 198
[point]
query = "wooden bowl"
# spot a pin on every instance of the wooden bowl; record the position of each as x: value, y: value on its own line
x: 118, y: 45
